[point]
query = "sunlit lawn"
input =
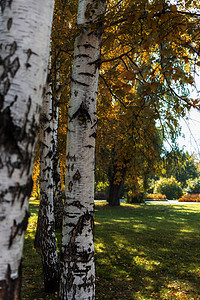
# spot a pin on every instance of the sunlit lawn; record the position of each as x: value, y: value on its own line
x: 147, y: 251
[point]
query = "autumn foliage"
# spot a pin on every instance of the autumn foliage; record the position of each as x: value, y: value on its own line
x: 150, y: 55
x: 190, y: 198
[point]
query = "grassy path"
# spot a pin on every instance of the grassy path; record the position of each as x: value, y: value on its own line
x: 146, y: 251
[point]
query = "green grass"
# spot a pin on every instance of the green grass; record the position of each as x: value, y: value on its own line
x: 146, y: 251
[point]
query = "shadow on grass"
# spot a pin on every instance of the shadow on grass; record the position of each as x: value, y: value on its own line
x: 32, y: 274
x: 142, y: 252
x: 147, y: 252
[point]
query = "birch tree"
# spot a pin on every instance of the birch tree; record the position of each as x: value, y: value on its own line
x: 45, y: 240
x: 24, y: 46
x: 78, y: 272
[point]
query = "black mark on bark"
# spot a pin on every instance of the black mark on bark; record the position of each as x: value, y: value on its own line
x: 76, y: 204
x: 94, y: 135
x: 79, y: 82
x: 70, y: 185
x: 18, y: 228
x: 70, y: 158
x: 4, y: 3
x: 14, y: 67
x: 86, y: 46
x: 95, y: 123
x: 77, y: 176
x: 82, y: 55
x: 13, y: 48
x: 9, y: 23
x: 1, y: 101
x: 9, y: 132
x: 82, y: 114
x: 10, y: 288
x: 86, y: 74
x: 6, y: 86
x: 29, y: 52
x: 8, y: 66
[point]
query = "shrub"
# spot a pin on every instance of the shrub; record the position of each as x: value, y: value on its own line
x: 101, y: 190
x: 135, y: 198
x: 169, y: 187
x: 190, y: 198
x: 193, y: 186
x: 156, y: 196
x: 100, y: 196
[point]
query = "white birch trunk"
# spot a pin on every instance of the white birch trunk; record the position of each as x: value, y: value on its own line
x: 24, y: 46
x: 78, y: 271
x: 45, y: 238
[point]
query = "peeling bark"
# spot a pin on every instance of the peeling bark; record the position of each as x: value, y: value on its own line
x: 77, y: 257
x: 24, y: 47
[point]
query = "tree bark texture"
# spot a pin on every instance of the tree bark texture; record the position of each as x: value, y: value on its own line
x: 77, y: 257
x: 24, y: 47
x: 45, y: 240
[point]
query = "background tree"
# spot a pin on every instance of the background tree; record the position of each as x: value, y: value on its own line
x: 181, y: 165
x: 193, y: 186
x: 25, y: 31
x: 149, y: 66
x: 128, y: 144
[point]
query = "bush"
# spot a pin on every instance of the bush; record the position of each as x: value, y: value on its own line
x: 101, y: 190
x: 135, y: 198
x: 190, y: 198
x: 169, y: 187
x: 156, y: 196
x: 193, y: 186
x: 100, y: 196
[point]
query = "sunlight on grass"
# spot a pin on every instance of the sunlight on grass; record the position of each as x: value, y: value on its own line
x: 146, y: 264
x: 99, y: 247
x: 142, y: 252
x: 150, y: 247
x: 186, y: 230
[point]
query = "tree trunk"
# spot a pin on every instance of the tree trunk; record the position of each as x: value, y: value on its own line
x: 78, y: 272
x: 45, y: 235
x: 115, y: 192
x: 24, y: 40
x: 115, y: 189
x: 58, y: 195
